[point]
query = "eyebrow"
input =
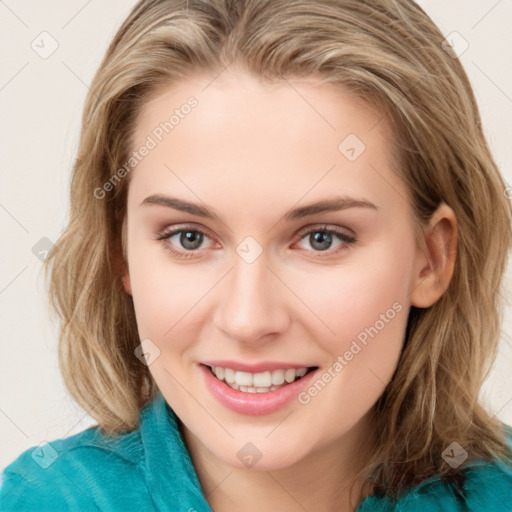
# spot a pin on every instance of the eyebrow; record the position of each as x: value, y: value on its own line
x: 324, y: 205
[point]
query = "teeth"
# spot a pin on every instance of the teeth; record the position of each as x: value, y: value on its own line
x: 262, y: 380
x: 219, y: 372
x: 229, y: 375
x: 258, y: 382
x: 289, y: 375
x: 243, y: 378
x: 278, y: 377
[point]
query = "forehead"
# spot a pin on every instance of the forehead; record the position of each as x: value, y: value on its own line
x: 236, y: 100
x: 288, y: 138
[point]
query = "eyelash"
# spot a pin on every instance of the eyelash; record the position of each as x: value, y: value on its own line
x: 347, y: 240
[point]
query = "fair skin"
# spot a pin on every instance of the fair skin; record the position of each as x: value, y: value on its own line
x: 251, y: 152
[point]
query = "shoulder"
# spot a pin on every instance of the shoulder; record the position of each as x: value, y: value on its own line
x: 486, y: 485
x: 489, y: 484
x: 86, y: 471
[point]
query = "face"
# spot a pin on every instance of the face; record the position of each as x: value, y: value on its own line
x: 230, y: 266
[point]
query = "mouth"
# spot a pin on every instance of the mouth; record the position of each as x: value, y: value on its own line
x: 260, y: 382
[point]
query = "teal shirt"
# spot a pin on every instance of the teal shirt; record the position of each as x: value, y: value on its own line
x: 150, y: 469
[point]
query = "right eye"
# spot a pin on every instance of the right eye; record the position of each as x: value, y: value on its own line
x: 188, y: 237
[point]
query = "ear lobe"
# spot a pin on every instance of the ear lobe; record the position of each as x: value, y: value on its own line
x: 126, y: 283
x: 435, y: 258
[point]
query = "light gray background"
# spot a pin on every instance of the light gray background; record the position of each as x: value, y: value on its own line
x: 41, y: 102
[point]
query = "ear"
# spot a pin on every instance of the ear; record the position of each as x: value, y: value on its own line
x: 120, y: 269
x: 121, y: 258
x: 435, y: 258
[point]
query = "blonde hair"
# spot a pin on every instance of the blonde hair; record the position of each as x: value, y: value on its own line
x: 390, y: 54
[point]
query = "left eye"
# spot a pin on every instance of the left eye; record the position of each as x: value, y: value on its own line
x: 321, y: 239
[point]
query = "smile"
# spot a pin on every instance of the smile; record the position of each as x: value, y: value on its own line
x: 262, y: 382
x: 256, y: 394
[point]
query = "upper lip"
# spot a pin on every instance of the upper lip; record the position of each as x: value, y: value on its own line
x: 255, y: 367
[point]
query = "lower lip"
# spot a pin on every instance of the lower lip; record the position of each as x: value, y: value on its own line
x: 254, y: 404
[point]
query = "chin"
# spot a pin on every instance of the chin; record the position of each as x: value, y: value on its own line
x: 260, y: 453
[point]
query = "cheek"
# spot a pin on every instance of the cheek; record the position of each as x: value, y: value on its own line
x: 348, y: 300
x: 165, y: 296
x: 368, y: 317
x: 365, y: 306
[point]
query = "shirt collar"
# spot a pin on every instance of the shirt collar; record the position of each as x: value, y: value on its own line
x: 170, y: 475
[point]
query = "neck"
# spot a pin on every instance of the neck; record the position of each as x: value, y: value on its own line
x: 320, y: 481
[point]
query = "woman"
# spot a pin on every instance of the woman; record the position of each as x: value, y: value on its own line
x: 279, y: 286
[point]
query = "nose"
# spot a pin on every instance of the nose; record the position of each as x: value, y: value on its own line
x: 253, y: 303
